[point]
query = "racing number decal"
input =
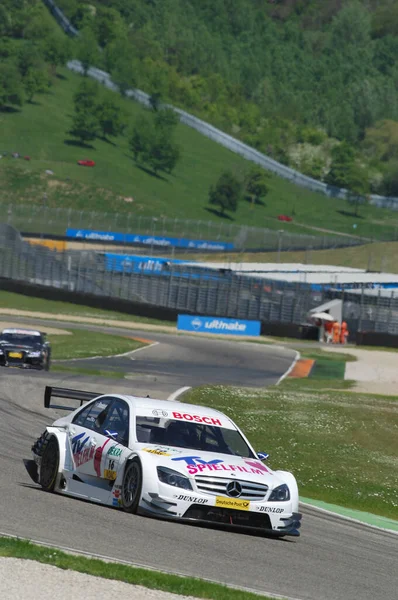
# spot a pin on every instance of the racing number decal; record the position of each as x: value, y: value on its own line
x: 110, y: 472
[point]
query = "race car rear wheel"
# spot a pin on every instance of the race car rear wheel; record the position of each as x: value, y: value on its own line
x: 49, y: 465
x: 131, y: 486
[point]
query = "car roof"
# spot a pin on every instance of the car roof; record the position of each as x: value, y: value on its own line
x: 22, y: 331
x: 169, y: 405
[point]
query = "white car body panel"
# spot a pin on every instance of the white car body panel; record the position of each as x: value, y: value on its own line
x: 92, y: 466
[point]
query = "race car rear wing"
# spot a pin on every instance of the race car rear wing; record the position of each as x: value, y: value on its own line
x: 58, y: 392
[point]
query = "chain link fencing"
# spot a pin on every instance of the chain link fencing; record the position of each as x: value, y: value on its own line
x: 193, y: 289
x: 43, y: 220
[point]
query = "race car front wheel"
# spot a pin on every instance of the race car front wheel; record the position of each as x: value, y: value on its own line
x: 131, y: 486
x: 49, y: 465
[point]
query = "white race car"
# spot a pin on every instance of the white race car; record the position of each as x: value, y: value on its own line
x: 161, y: 458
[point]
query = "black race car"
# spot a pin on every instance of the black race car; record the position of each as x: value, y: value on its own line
x: 25, y: 348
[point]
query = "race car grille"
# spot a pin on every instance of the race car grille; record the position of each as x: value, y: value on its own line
x: 218, y: 485
x: 227, y: 516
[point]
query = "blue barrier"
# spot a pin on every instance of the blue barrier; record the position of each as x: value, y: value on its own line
x: 148, y: 240
x: 122, y: 263
x: 218, y: 325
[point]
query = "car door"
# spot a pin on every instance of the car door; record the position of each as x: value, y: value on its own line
x: 97, y: 437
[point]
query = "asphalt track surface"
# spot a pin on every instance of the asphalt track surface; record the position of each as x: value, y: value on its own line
x: 332, y: 560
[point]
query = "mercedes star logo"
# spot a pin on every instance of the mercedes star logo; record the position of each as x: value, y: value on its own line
x: 234, y: 489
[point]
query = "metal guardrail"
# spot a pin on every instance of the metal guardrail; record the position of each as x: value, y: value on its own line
x: 217, y: 135
x: 193, y: 289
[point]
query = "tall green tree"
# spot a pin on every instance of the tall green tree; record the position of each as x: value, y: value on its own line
x: 85, y: 126
x: 226, y: 193
x: 87, y: 49
x: 111, y: 118
x: 256, y: 185
x: 11, y: 86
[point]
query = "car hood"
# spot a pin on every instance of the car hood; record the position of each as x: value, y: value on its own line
x: 191, y: 462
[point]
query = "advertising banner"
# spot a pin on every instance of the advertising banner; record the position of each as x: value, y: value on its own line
x: 122, y: 263
x: 148, y: 240
x: 218, y: 325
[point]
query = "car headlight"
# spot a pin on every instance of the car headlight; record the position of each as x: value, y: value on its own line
x: 173, y: 478
x: 34, y: 354
x: 280, y: 494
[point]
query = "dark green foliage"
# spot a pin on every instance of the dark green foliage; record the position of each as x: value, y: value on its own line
x: 111, y: 118
x: 85, y: 124
x: 152, y: 141
x: 256, y: 185
x: 87, y: 50
x: 11, y: 85
x: 226, y: 193
x: 345, y: 172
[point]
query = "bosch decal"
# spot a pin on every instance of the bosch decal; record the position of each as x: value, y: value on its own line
x: 197, y: 418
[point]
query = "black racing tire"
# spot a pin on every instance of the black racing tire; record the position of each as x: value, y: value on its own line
x: 49, y: 465
x: 131, y: 486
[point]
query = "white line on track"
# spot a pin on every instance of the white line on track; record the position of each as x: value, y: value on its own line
x: 138, y: 565
x: 173, y: 397
x: 290, y: 369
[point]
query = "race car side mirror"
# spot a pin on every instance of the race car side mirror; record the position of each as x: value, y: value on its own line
x: 262, y: 455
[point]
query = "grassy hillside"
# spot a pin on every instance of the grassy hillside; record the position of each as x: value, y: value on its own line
x: 40, y: 129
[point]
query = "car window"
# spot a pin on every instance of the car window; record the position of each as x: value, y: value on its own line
x: 93, y: 415
x: 116, y: 422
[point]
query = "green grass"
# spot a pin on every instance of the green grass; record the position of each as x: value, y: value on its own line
x: 55, y: 307
x: 342, y: 447
x: 40, y: 131
x: 81, y: 371
x: 185, y: 586
x: 85, y: 344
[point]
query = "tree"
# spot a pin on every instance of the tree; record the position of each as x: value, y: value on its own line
x: 226, y: 193
x: 87, y: 49
x: 142, y: 137
x: 35, y: 82
x: 166, y: 119
x: 343, y: 157
x: 256, y: 185
x: 86, y: 97
x: 152, y: 143
x: 110, y: 118
x: 11, y: 88
x: 162, y: 154
x: 358, y: 187
x: 85, y: 126
x: 56, y: 51
x: 123, y: 74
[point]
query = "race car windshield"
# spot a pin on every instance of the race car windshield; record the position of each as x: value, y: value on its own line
x: 192, y: 436
x: 21, y: 339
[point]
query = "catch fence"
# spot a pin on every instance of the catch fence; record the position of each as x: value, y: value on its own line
x: 43, y: 221
x: 189, y: 288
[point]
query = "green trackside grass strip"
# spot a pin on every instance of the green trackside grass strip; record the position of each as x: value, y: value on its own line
x: 55, y: 307
x: 341, y: 446
x: 187, y: 586
x: 86, y: 344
